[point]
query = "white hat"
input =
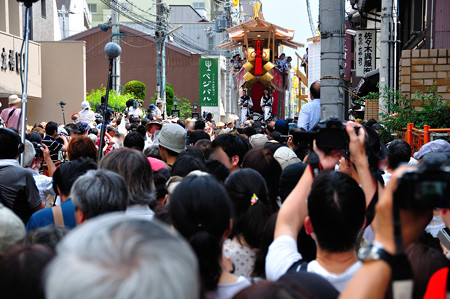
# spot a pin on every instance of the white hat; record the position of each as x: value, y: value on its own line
x: 173, y: 137
x: 14, y: 99
x: 12, y: 229
x: 285, y: 156
x: 258, y: 140
x: 85, y: 104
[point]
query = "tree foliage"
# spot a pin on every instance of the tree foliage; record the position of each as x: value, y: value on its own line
x: 423, y: 108
x: 137, y: 88
x: 115, y: 101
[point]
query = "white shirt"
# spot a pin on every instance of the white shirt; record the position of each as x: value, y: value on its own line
x: 309, y: 115
x: 137, y: 112
x: 87, y: 116
x: 140, y: 211
x: 283, y: 254
x: 227, y: 291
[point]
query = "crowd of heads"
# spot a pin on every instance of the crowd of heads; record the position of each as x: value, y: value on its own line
x: 175, y: 210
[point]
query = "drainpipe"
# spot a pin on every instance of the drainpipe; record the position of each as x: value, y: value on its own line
x: 431, y: 25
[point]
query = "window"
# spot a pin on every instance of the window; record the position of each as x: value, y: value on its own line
x: 92, y: 8
x: 211, y: 43
x: 43, y: 9
x: 198, y: 5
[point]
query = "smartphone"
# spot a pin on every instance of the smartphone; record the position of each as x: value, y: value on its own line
x: 444, y: 236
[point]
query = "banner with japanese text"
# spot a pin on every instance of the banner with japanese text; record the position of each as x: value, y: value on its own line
x: 365, y: 51
x: 208, y: 82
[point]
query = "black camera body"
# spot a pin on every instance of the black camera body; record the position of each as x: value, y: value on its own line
x: 331, y: 134
x: 425, y: 189
x: 38, y: 148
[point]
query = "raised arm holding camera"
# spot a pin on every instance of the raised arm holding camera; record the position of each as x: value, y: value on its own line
x: 330, y: 205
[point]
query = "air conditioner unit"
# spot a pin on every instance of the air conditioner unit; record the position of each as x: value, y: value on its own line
x: 221, y: 23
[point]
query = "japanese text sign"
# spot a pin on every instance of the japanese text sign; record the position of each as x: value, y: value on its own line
x: 365, y: 51
x: 208, y: 82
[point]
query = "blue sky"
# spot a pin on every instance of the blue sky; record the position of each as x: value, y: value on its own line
x: 292, y: 14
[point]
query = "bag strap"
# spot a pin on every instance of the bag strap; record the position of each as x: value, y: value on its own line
x: 298, y: 266
x: 9, y: 116
x: 58, y: 216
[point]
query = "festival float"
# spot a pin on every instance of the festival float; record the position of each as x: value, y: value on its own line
x: 262, y: 40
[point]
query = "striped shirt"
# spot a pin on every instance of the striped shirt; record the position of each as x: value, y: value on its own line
x: 53, y: 146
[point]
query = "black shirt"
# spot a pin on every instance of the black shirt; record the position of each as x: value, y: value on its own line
x: 18, y: 191
x: 53, y: 146
x: 109, y: 112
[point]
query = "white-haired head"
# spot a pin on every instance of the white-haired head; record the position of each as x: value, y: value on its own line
x: 117, y: 256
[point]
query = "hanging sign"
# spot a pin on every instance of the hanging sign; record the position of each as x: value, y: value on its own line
x: 208, y: 82
x: 365, y: 51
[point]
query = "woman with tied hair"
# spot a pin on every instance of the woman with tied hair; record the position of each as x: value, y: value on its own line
x: 137, y: 172
x: 250, y: 210
x: 265, y: 163
x: 204, y: 220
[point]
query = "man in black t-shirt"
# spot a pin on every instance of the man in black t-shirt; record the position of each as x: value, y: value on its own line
x: 18, y: 189
x: 51, y: 132
x: 100, y: 109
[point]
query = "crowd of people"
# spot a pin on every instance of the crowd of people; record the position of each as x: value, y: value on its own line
x: 198, y: 209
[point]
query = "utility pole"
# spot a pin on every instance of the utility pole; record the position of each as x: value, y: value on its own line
x: 385, y: 52
x: 332, y: 30
x: 115, y: 38
x: 160, y: 36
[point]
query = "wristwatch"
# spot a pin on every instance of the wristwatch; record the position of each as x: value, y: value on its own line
x: 375, y: 252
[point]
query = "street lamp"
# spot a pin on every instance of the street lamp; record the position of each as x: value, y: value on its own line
x: 175, y: 111
x: 195, y: 114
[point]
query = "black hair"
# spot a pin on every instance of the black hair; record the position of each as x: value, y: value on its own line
x: 144, y: 121
x: 22, y: 269
x: 185, y: 164
x: 205, y: 146
x: 194, y: 152
x: 134, y: 167
x: 160, y: 179
x: 141, y: 130
x: 259, y: 269
x: 10, y: 142
x: 199, y: 125
x: 218, y: 170
x: 68, y: 173
x: 232, y: 145
x: 95, y: 131
x: 202, y: 218
x: 103, y: 99
x: 249, y: 218
x: 153, y: 152
x: 265, y: 163
x: 197, y: 135
x: 34, y: 137
x: 50, y: 128
x: 249, y: 131
x: 336, y: 206
x: 398, y: 151
x: 134, y: 140
x: 315, y: 89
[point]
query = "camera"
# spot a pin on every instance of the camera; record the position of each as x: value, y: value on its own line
x: 62, y: 103
x: 331, y: 134
x: 38, y: 148
x: 425, y: 189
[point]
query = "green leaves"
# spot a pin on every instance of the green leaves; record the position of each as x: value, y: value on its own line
x: 423, y: 108
x: 115, y: 102
x: 137, y: 88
